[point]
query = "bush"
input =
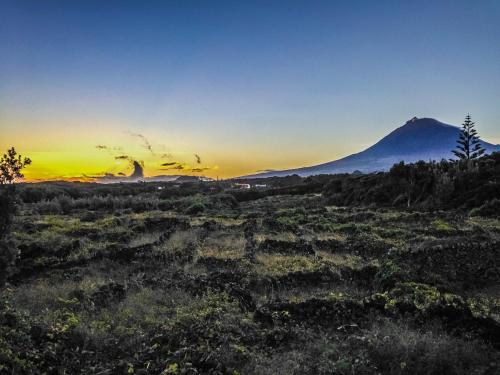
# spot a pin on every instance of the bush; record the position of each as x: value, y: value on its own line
x: 66, y: 203
x: 8, y: 251
x: 489, y: 209
x: 8, y: 255
x: 48, y: 207
x: 389, y: 274
x: 195, y: 208
x: 398, y: 349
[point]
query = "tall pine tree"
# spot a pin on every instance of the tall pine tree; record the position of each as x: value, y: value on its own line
x: 469, y: 145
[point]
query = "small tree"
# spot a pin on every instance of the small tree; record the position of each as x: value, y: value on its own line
x: 469, y: 144
x: 11, y: 166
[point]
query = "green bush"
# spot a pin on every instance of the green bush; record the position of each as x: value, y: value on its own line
x: 195, y: 208
x: 389, y: 274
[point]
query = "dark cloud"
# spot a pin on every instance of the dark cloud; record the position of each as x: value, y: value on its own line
x: 177, y: 167
x: 199, y: 169
x: 123, y: 157
x: 138, y: 169
x: 169, y: 164
x: 105, y: 148
x: 198, y: 158
x: 166, y: 156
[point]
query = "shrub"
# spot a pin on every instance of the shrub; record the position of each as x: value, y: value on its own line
x: 389, y: 274
x: 489, y: 209
x: 195, y: 208
x: 8, y: 255
x: 8, y: 251
x: 66, y: 203
x: 7, y: 208
x: 399, y: 349
x: 51, y: 207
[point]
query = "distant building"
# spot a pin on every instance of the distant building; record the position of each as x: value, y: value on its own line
x: 241, y: 186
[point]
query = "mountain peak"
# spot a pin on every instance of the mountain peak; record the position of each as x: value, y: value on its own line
x: 418, y: 139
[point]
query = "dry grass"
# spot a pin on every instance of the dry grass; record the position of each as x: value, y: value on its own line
x: 282, y: 236
x: 145, y: 239
x: 223, y: 245
x: 178, y: 242
x: 343, y: 259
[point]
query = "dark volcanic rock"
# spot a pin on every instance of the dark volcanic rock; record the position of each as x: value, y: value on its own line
x: 286, y: 247
x: 108, y: 294
x: 457, y: 263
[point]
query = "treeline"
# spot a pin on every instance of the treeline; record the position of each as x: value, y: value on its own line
x: 464, y: 184
x: 422, y: 185
x: 46, y: 191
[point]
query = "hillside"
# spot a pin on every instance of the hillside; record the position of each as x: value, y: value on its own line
x: 418, y: 139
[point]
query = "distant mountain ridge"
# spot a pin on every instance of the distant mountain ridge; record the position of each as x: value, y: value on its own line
x: 418, y: 139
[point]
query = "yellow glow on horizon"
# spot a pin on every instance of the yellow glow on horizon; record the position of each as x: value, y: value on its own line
x: 68, y: 151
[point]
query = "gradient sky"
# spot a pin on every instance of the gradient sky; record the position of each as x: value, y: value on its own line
x: 246, y: 85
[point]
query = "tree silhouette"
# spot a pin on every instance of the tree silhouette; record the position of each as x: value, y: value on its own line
x: 11, y: 166
x: 469, y: 144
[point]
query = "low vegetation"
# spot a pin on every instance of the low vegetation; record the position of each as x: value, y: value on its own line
x: 389, y: 273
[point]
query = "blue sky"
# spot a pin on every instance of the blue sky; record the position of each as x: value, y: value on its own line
x: 249, y: 85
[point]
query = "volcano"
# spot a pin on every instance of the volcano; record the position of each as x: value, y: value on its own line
x: 418, y: 139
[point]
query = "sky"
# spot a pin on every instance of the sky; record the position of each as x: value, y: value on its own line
x: 245, y: 85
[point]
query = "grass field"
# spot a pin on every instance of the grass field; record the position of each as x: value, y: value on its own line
x: 277, y: 285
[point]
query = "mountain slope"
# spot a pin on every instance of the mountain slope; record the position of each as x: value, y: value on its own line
x: 418, y: 139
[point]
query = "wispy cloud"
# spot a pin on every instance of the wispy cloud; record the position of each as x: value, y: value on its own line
x: 195, y: 170
x: 177, y: 167
x: 145, y: 142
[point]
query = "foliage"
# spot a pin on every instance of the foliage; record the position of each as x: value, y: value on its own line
x: 469, y: 145
x: 128, y: 279
x: 488, y: 209
x: 427, y: 186
x: 11, y: 166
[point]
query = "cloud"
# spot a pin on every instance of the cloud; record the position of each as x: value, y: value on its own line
x: 178, y: 167
x: 200, y: 169
x: 105, y: 148
x: 108, y: 148
x: 265, y: 170
x: 145, y: 143
x: 118, y: 154
x: 123, y: 157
